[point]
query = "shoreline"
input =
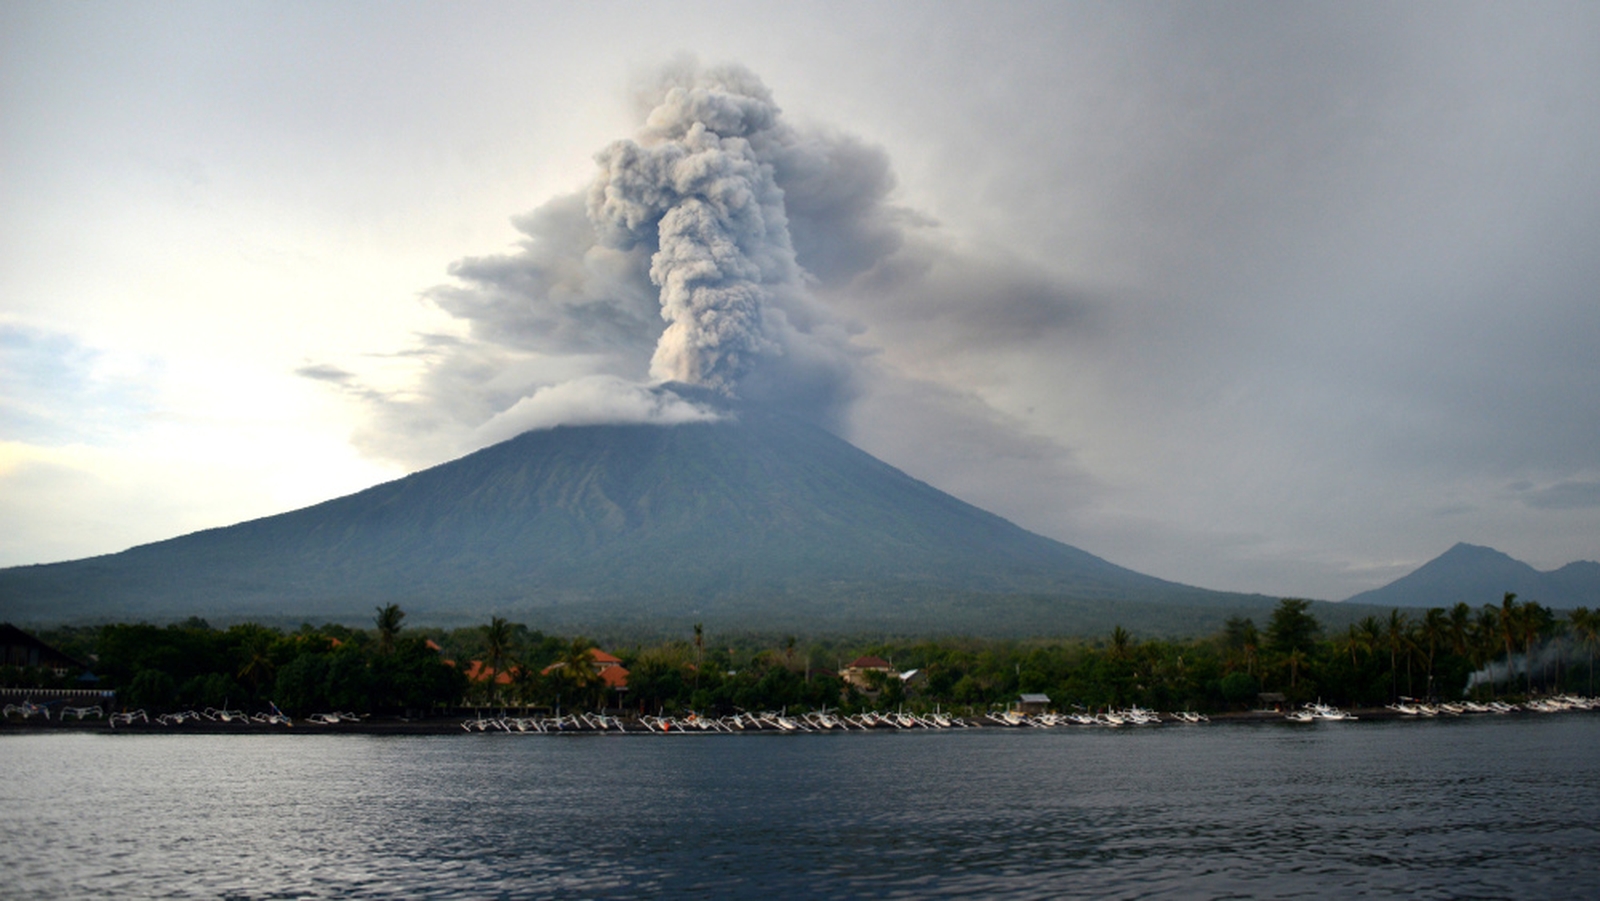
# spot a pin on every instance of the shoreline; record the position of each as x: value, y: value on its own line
x: 457, y: 725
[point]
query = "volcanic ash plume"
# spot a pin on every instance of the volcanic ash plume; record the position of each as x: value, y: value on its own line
x: 691, y: 260
x: 695, y: 187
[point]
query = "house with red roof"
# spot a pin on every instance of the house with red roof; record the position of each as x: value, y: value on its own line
x: 613, y: 675
x: 607, y: 666
x: 857, y: 673
x: 478, y: 671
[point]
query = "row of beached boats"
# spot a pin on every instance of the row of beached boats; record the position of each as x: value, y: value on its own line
x: 1556, y: 704
x: 572, y: 722
x: 29, y: 709
x: 768, y: 721
x: 208, y: 715
x: 820, y: 721
x: 1413, y: 707
x: 816, y: 721
x: 1311, y: 713
x: 1132, y: 716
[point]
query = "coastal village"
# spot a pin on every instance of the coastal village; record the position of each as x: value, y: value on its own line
x: 494, y: 696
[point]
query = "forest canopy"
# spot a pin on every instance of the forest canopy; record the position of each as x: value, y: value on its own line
x: 1515, y: 647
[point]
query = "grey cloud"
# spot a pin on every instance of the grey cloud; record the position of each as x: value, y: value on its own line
x: 1567, y: 495
x: 427, y: 344
x: 950, y: 301
x: 325, y: 372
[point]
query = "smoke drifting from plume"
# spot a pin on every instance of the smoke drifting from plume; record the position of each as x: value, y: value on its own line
x: 592, y: 400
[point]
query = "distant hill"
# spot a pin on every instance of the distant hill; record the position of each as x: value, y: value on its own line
x: 1482, y: 575
x: 758, y: 521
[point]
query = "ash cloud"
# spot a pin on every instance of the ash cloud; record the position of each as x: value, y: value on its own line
x: 719, y: 247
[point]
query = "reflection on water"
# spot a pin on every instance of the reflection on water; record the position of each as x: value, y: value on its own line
x: 1486, y: 808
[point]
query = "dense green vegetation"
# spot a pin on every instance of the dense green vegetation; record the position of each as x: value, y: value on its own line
x: 249, y: 666
x: 392, y: 669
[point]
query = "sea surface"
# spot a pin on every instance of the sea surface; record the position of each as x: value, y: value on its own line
x: 1494, y: 807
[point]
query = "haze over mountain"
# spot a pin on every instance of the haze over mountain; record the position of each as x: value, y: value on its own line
x: 1482, y: 575
x: 757, y: 520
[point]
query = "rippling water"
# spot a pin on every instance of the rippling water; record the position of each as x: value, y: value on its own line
x: 1492, y: 808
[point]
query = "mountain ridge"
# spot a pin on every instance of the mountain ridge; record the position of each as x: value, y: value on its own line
x: 1481, y: 575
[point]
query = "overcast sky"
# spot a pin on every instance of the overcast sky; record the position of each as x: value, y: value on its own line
x: 1282, y: 298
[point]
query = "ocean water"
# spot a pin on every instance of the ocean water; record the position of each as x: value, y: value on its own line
x: 1483, y: 808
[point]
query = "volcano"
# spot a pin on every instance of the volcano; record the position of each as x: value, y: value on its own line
x: 756, y: 520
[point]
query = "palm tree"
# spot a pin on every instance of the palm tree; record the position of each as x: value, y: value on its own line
x: 389, y: 617
x: 1371, y: 631
x: 699, y: 652
x: 1510, y: 622
x: 1296, y: 659
x: 576, y: 671
x: 526, y: 679
x: 497, y: 640
x: 1119, y: 643
x: 1531, y: 626
x: 1433, y: 629
x: 1586, y: 626
x: 1461, y: 629
x: 1397, y: 639
x: 258, y: 668
x: 1352, y: 643
x: 1241, y: 638
x: 1555, y: 632
x: 1486, y: 640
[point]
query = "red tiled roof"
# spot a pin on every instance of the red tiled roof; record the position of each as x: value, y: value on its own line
x: 478, y: 671
x: 869, y: 663
x: 604, y: 663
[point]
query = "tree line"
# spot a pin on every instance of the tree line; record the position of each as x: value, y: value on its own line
x: 1515, y: 647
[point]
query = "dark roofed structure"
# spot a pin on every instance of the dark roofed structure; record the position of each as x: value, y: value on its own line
x: 18, y: 648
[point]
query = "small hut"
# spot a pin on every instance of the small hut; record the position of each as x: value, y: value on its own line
x: 1033, y: 703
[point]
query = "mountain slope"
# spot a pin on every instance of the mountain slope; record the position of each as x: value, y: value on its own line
x: 745, y: 519
x: 1482, y: 575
